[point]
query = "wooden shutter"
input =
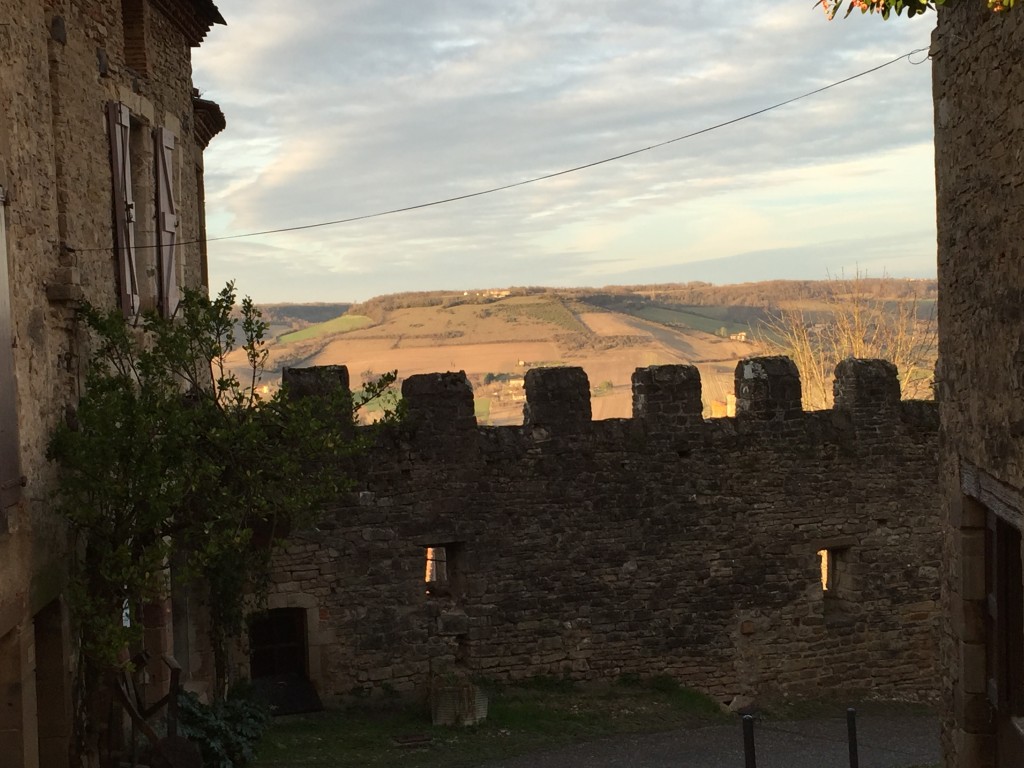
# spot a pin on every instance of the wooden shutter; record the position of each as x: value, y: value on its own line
x: 120, y: 125
x: 167, y: 222
x: 10, y: 461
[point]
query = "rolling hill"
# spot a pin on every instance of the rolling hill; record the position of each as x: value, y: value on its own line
x: 496, y: 336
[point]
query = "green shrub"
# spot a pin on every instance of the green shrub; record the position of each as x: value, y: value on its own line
x: 227, y: 731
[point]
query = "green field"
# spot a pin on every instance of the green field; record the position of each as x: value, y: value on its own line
x: 549, y: 310
x: 679, y: 318
x: 710, y: 318
x: 342, y: 324
x: 482, y: 410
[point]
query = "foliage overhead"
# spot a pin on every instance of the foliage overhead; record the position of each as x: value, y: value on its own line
x: 172, y: 460
x: 886, y: 7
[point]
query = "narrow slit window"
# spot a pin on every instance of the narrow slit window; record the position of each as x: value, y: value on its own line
x: 444, y: 571
x: 837, y: 580
x: 436, y: 572
x: 827, y: 559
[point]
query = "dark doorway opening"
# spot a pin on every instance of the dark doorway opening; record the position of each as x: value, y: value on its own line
x: 277, y: 643
x: 278, y: 661
x: 53, y: 701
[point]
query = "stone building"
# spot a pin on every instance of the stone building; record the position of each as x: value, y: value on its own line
x: 101, y: 141
x: 979, y: 159
x: 661, y: 544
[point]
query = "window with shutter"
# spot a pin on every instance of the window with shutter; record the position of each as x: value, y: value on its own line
x: 167, y: 222
x: 10, y: 462
x: 120, y: 125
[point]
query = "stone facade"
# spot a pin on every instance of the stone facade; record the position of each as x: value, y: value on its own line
x: 63, y: 64
x: 979, y: 143
x: 661, y: 544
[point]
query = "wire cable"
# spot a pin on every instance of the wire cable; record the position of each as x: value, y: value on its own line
x: 833, y: 740
x: 545, y: 177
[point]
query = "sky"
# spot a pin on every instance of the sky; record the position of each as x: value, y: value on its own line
x: 345, y: 108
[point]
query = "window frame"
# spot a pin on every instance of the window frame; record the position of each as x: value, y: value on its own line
x: 1004, y: 616
x: 435, y: 572
x: 833, y: 561
x: 451, y: 582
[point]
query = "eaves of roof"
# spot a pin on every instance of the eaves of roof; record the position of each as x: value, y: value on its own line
x: 193, y: 17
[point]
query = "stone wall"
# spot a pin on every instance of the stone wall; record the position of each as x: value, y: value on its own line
x: 661, y: 544
x: 62, y: 62
x: 979, y: 145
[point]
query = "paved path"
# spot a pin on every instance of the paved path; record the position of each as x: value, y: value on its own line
x: 887, y: 741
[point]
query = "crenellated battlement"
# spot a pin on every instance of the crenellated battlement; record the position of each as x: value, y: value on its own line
x: 439, y: 402
x: 557, y: 399
x: 664, y: 543
x: 665, y: 397
x: 316, y: 380
x: 866, y: 388
x: 768, y: 388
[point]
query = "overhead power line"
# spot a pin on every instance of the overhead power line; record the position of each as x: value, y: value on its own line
x: 555, y: 174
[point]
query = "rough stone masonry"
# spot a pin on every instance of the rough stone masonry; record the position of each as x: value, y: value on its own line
x: 661, y: 544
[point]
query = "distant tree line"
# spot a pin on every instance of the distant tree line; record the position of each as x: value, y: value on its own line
x: 769, y: 294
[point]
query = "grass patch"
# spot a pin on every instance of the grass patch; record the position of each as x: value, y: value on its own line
x: 673, y: 694
x: 538, y: 714
x: 482, y: 409
x: 551, y: 311
x: 342, y: 324
x: 679, y: 319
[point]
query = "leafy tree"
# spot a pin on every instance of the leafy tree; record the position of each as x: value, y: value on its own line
x: 171, y: 457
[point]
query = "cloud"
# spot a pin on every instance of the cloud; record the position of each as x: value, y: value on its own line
x: 346, y: 109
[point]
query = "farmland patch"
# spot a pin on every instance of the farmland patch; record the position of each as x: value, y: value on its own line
x: 343, y: 324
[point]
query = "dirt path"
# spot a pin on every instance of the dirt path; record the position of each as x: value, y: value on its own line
x: 887, y: 741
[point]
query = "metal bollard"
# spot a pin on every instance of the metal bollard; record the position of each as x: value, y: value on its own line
x: 748, y: 741
x: 851, y: 732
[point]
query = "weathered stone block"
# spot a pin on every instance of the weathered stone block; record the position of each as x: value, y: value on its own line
x: 453, y: 623
x: 439, y: 402
x: 557, y: 399
x: 768, y: 388
x: 972, y: 667
x: 865, y: 387
x: 63, y: 292
x: 315, y: 380
x: 667, y: 396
